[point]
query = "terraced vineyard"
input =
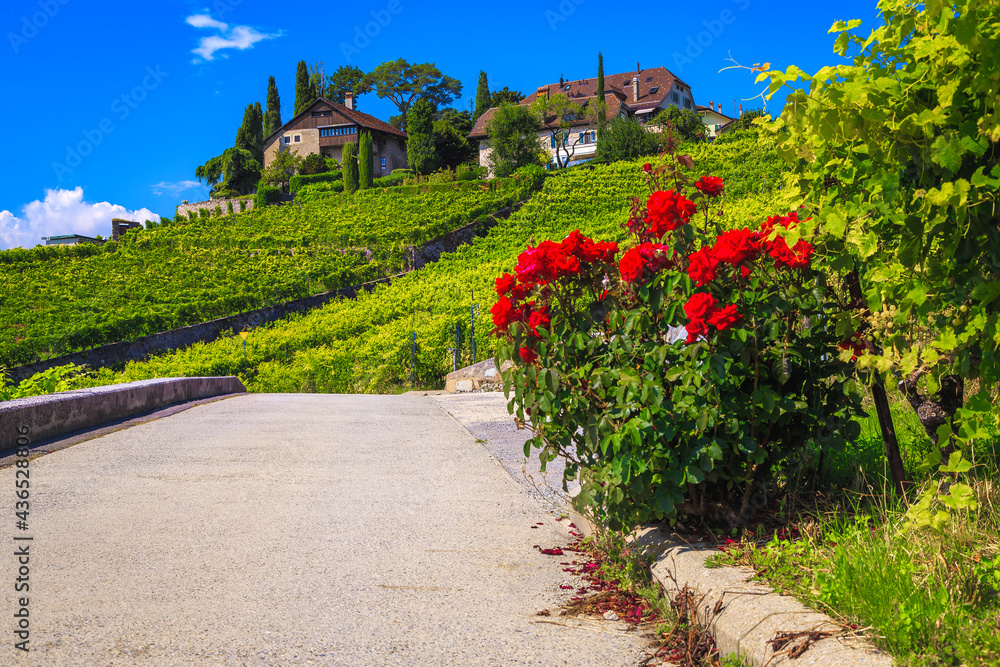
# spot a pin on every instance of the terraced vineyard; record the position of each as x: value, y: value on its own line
x: 58, y: 300
x: 364, y: 345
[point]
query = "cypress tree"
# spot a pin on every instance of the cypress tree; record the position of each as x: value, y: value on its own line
x: 258, y: 133
x: 303, y: 88
x: 602, y: 111
x: 366, y: 161
x: 482, y: 97
x: 245, y: 135
x: 420, y: 150
x: 272, y: 119
x: 350, y: 168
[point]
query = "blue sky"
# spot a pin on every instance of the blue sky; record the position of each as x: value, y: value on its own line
x: 115, y: 107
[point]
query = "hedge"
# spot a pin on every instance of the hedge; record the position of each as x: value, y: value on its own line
x: 267, y: 194
x: 295, y: 183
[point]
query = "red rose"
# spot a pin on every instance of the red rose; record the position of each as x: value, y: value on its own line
x: 701, y: 267
x: 791, y: 258
x: 783, y: 221
x: 607, y: 251
x: 504, y: 313
x: 699, y: 306
x: 528, y: 355
x: 505, y: 283
x: 539, y: 319
x: 723, y: 318
x: 710, y: 186
x: 636, y: 260
x: 737, y: 246
x: 647, y: 167
x: 857, y: 344
x: 529, y: 267
x: 666, y: 211
x: 696, y: 329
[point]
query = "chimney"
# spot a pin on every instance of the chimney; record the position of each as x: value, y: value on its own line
x: 635, y: 88
x: 711, y: 105
x: 542, y: 92
x: 349, y: 99
x: 720, y: 107
x: 638, y: 69
x: 741, y: 109
x: 561, y: 81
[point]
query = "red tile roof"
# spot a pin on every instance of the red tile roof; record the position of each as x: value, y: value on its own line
x: 362, y: 119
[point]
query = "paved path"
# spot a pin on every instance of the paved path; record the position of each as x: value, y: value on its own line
x: 288, y: 530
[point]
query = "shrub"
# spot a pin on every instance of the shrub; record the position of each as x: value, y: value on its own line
x: 229, y: 207
x: 680, y: 378
x: 625, y: 139
x: 204, y: 213
x: 267, y: 194
x: 243, y: 205
x: 533, y: 174
x: 391, y: 180
x: 314, y: 163
x: 218, y: 210
x: 366, y: 161
x: 298, y: 182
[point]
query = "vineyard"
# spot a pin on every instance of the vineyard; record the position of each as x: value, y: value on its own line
x: 365, y: 345
x: 59, y: 300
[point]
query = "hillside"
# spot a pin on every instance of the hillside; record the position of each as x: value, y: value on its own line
x: 59, y: 300
x: 364, y: 345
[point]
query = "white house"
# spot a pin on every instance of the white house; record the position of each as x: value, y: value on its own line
x: 640, y: 94
x: 714, y: 119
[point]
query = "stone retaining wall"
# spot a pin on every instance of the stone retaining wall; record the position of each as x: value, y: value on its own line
x: 184, y: 209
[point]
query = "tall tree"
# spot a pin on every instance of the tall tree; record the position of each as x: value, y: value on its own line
x: 303, y: 91
x: 272, y: 118
x: 451, y: 145
x: 420, y: 151
x: 345, y: 79
x: 366, y: 161
x: 258, y: 133
x: 317, y: 79
x: 602, y: 110
x: 482, y: 97
x: 245, y: 135
x: 404, y: 83
x: 513, y: 132
x: 350, y: 167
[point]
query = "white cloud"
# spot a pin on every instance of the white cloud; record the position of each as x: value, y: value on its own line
x: 176, y: 187
x: 63, y: 212
x: 240, y: 37
x: 205, y: 21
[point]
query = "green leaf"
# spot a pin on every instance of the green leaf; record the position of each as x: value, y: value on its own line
x: 956, y: 464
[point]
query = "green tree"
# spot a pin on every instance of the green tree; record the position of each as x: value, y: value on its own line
x: 505, y: 96
x: 460, y: 120
x: 482, y: 97
x: 350, y: 167
x: 281, y: 169
x: 625, y: 139
x: 602, y: 109
x: 236, y: 169
x: 420, y: 151
x: 403, y: 83
x: 249, y: 135
x: 558, y: 114
x: 687, y: 125
x: 513, y: 132
x: 745, y: 121
x: 304, y: 93
x: 317, y: 80
x: 257, y: 130
x: 314, y: 163
x: 345, y: 79
x: 366, y: 161
x: 451, y: 145
x: 272, y: 117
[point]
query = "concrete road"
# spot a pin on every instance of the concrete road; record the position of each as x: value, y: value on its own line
x: 288, y: 530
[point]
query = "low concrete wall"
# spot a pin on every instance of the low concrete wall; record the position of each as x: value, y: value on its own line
x: 141, y: 348
x: 55, y: 414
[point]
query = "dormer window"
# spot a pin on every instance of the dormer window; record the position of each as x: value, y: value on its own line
x: 652, y: 91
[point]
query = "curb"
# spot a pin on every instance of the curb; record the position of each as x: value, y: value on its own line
x: 52, y: 415
x: 743, y: 615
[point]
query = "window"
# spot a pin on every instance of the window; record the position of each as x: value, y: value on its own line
x: 287, y: 139
x: 584, y: 136
x: 687, y: 102
x: 337, y: 131
x: 553, y: 141
x: 648, y: 79
x: 652, y: 91
x: 568, y: 86
x: 322, y: 114
x: 298, y: 138
x: 383, y: 164
x: 674, y: 97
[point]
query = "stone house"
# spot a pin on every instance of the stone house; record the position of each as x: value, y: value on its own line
x: 640, y: 94
x: 325, y: 127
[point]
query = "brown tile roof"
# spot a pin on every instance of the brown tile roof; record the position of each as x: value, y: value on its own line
x: 612, y: 101
x: 362, y: 119
x: 618, y: 86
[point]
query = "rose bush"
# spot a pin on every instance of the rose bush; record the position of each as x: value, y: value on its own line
x: 683, y: 375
